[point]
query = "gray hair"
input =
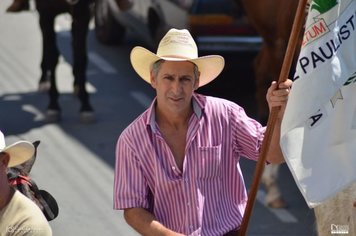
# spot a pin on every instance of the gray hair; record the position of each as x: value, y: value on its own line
x: 156, y: 66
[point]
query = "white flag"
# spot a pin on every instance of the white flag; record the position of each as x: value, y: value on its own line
x: 318, y: 136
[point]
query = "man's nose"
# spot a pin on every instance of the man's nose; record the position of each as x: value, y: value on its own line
x: 176, y: 86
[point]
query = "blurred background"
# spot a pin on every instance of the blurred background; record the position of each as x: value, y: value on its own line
x: 75, y: 160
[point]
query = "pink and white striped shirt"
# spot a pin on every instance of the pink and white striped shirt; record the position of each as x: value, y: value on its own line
x: 209, y: 196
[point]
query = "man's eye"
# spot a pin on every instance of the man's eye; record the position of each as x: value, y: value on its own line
x: 186, y: 79
x: 168, y: 78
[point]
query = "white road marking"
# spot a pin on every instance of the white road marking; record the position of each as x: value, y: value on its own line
x: 141, y: 98
x: 39, y: 116
x: 101, y: 63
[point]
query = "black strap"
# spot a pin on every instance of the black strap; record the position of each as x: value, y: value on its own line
x: 46, y: 209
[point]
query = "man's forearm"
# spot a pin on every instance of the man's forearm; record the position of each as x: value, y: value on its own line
x: 275, y: 154
x: 146, y: 224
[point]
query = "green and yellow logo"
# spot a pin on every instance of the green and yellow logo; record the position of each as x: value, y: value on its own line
x: 323, y: 6
x: 351, y: 80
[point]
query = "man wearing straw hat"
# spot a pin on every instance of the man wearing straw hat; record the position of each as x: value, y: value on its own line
x: 19, y: 215
x: 177, y: 165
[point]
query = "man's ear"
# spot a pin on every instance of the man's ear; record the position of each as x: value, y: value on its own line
x: 4, y: 159
x: 153, y: 80
x: 196, y: 85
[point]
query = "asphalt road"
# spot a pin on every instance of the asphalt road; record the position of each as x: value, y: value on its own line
x: 75, y: 161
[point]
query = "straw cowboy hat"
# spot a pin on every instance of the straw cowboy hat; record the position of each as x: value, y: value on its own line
x: 177, y: 45
x: 19, y: 152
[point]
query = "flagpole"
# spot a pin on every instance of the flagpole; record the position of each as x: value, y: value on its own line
x: 287, y: 62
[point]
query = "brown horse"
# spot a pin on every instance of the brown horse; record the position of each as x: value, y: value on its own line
x: 273, y: 19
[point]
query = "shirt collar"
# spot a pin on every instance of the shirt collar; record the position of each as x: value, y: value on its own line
x: 151, y: 115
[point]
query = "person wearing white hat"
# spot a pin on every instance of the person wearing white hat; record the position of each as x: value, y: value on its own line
x: 177, y: 166
x: 19, y: 215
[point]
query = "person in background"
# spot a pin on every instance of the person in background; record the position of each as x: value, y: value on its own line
x: 177, y: 166
x: 18, y: 214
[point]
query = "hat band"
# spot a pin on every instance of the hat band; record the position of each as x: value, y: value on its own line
x: 176, y: 57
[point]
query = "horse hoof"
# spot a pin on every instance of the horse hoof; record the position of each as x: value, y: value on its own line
x: 53, y: 116
x: 19, y: 5
x: 277, y: 204
x: 87, y: 117
x: 44, y: 86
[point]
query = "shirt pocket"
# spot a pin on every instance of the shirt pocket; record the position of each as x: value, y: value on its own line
x: 209, y: 162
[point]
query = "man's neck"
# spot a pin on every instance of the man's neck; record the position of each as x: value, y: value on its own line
x: 6, y: 193
x: 175, y: 121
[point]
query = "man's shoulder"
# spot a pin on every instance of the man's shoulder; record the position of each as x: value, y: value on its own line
x: 25, y: 205
x: 137, y: 126
x: 211, y: 102
x: 23, y: 214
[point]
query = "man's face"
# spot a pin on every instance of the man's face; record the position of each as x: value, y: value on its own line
x: 175, y: 83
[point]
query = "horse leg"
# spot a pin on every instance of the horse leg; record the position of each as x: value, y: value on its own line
x: 18, y: 5
x: 50, y: 56
x: 81, y: 17
x: 49, y: 48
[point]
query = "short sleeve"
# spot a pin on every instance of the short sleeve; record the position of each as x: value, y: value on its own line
x: 247, y: 133
x: 130, y: 185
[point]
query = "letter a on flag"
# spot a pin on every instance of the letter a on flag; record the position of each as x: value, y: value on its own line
x: 318, y: 136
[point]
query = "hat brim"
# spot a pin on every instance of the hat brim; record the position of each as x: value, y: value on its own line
x: 19, y: 152
x: 209, y: 66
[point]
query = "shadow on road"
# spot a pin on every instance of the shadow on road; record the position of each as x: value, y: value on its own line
x: 118, y: 98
